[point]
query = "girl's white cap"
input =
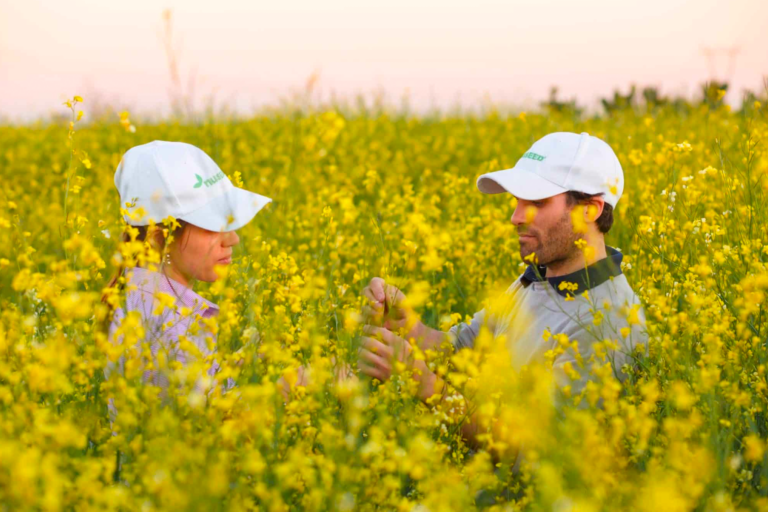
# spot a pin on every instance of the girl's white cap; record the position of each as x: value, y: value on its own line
x: 162, y: 179
x: 557, y: 163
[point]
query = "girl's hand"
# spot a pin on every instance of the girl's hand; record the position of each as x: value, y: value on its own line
x: 341, y: 372
x: 382, y: 348
x: 302, y: 379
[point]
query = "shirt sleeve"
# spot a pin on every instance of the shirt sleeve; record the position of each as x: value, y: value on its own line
x: 463, y: 335
x: 117, y: 319
x: 111, y: 367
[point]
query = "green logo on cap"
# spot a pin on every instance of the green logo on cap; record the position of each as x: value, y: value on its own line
x: 210, y: 181
x: 534, y: 156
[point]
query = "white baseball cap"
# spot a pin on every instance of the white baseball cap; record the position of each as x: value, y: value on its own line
x: 181, y: 180
x: 557, y: 163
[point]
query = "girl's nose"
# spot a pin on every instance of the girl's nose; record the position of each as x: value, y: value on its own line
x: 231, y: 238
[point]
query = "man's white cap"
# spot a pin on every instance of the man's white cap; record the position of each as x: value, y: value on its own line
x: 181, y: 180
x: 557, y: 163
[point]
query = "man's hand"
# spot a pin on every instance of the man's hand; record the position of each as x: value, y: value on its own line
x: 387, y: 309
x: 385, y: 304
x: 382, y: 348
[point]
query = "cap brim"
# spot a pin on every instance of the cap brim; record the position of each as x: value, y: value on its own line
x: 520, y: 183
x: 229, y: 211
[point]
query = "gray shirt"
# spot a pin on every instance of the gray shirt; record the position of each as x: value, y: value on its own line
x: 533, y: 304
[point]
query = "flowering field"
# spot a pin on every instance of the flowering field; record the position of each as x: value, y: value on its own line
x: 363, y: 195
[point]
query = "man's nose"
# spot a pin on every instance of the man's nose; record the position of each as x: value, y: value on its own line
x: 518, y: 216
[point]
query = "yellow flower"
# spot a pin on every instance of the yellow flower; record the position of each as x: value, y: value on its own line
x: 577, y: 219
x: 532, y: 258
x: 754, y: 448
x: 530, y: 214
x: 682, y: 396
x: 163, y: 301
x: 633, y: 317
x: 569, y: 287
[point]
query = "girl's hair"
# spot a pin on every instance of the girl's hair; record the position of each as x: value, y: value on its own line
x: 144, y: 232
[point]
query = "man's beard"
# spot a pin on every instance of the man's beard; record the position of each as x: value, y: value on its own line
x: 554, y: 246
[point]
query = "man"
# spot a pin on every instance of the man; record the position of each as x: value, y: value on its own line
x: 567, y: 186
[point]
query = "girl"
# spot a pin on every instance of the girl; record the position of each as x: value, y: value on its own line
x: 180, y: 185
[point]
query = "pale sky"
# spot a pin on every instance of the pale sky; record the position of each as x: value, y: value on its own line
x: 251, y: 53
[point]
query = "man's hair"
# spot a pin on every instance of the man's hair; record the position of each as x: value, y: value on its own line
x: 605, y: 220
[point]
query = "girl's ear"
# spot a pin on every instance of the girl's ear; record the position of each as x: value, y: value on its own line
x: 156, y: 238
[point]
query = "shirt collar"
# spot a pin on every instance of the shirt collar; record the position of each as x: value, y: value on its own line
x: 586, y: 278
x: 153, y: 281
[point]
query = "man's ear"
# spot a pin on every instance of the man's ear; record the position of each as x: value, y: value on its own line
x: 594, y: 208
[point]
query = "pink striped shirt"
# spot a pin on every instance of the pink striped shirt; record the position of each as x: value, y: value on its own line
x: 163, y: 330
